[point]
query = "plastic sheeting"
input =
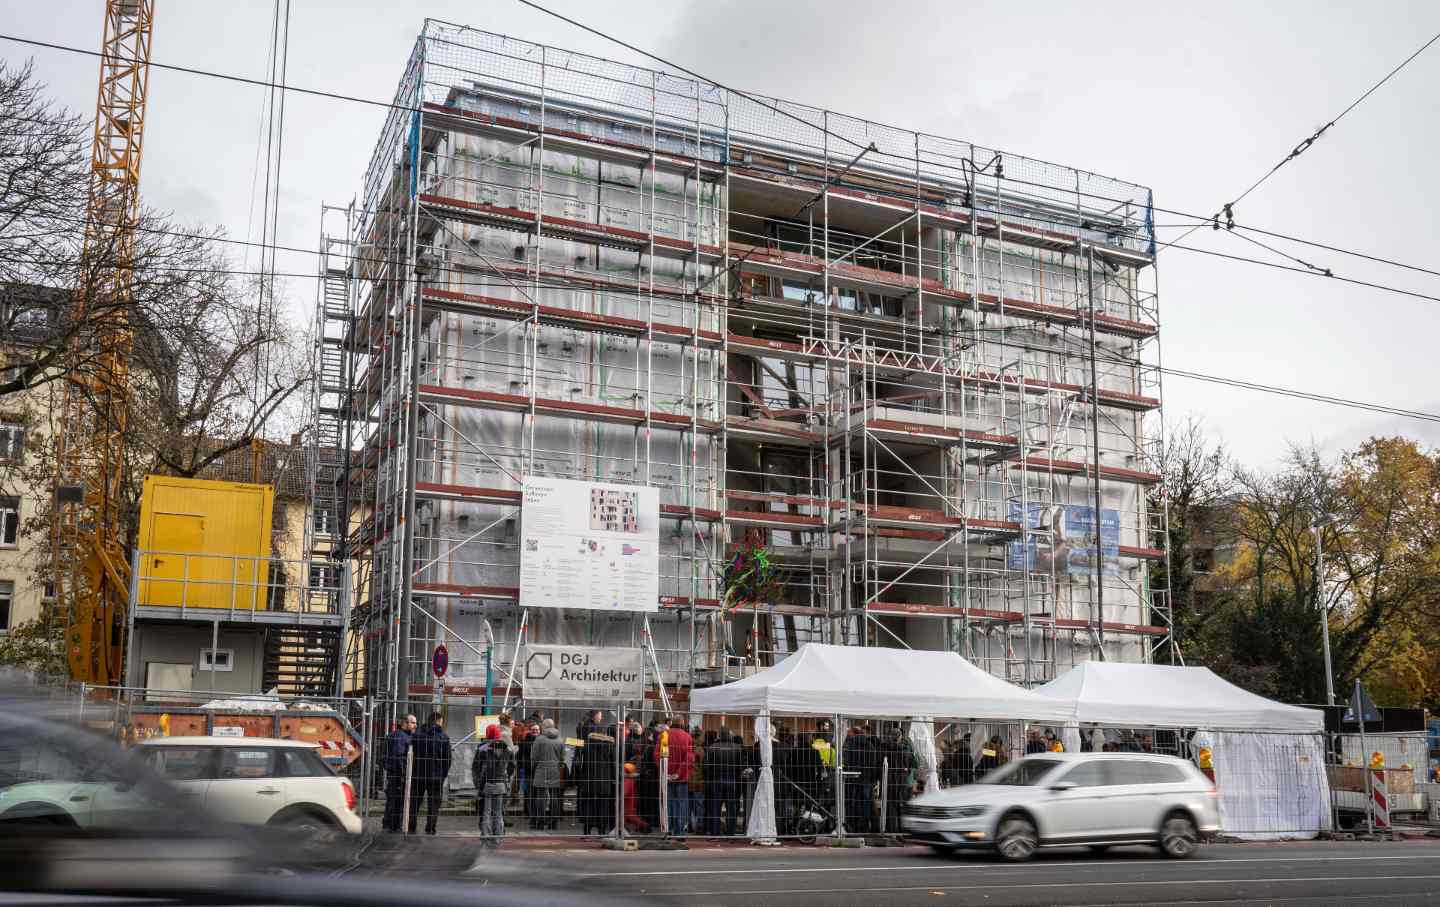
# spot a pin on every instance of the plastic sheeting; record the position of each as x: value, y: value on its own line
x: 922, y: 738
x: 760, y: 818
x: 1070, y: 737
x: 1271, y: 786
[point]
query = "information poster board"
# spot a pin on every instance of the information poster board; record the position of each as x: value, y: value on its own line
x: 1070, y: 546
x: 589, y: 545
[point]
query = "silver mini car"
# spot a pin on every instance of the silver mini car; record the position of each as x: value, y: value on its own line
x: 1063, y: 800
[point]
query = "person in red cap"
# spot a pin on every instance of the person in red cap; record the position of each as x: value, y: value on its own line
x: 492, y: 770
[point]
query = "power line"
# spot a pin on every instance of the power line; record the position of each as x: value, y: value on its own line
x: 1310, y: 273
x: 485, y: 283
x: 1227, y: 210
x: 1304, y: 395
x: 1200, y: 220
x: 1307, y: 269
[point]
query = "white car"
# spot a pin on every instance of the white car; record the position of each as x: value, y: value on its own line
x: 244, y: 780
x: 1063, y: 800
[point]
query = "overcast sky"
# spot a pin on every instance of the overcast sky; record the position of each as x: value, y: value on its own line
x: 1192, y: 100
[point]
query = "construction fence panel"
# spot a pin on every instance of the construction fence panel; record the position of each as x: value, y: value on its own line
x: 537, y: 768
x: 131, y: 715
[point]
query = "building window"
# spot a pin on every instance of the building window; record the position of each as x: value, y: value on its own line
x: 9, y: 521
x: 322, y: 520
x: 322, y: 576
x: 7, y: 599
x: 12, y: 441
x: 219, y: 659
x: 1202, y: 560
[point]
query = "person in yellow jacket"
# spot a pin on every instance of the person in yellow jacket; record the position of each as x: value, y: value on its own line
x: 822, y: 745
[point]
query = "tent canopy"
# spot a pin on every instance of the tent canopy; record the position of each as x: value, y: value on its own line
x: 1171, y: 696
x: 871, y: 682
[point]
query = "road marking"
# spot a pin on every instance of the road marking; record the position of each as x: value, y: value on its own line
x: 970, y: 867
x: 1072, y: 883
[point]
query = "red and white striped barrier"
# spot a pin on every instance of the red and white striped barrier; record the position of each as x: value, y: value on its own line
x: 1379, y: 799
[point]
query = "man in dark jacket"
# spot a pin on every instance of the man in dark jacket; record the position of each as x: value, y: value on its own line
x: 397, y: 748
x: 722, y: 776
x: 547, y: 776
x: 595, y: 771
x: 862, y: 771
x: 899, y: 756
x: 432, y: 767
x: 992, y: 755
x: 794, y: 774
x: 959, y: 765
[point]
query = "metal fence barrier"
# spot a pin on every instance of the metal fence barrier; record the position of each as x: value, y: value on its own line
x: 563, y: 769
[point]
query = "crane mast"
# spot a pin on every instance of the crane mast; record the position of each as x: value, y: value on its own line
x: 90, y: 570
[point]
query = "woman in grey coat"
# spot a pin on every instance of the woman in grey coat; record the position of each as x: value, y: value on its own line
x: 547, y: 779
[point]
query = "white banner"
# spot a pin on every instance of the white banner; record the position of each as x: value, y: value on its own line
x: 582, y: 672
x: 589, y: 545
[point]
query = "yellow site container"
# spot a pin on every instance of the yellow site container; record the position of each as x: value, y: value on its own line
x: 205, y: 544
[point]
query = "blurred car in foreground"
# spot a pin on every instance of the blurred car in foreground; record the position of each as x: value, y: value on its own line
x: 1062, y: 800
x: 80, y: 815
x: 256, y: 781
x: 247, y: 781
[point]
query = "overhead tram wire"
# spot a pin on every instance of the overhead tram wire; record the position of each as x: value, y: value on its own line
x: 1309, y: 271
x: 1227, y: 210
x: 1199, y: 220
x: 1174, y: 244
x: 1239, y: 383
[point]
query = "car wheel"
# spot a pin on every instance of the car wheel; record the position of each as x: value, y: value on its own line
x: 308, y: 823
x: 1016, y: 839
x: 1179, y: 838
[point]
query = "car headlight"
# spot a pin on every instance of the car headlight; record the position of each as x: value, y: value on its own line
x: 969, y: 812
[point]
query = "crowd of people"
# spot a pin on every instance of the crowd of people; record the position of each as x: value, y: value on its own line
x: 703, y: 780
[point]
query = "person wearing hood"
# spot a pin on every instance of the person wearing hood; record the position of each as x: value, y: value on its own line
x: 547, y: 775
x: 492, y: 770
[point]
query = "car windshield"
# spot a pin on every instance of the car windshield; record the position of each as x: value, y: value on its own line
x: 1022, y: 773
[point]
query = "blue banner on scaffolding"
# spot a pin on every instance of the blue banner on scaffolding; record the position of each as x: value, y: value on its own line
x: 1065, y: 543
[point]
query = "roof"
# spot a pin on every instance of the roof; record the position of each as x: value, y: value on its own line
x: 1150, y: 695
x: 861, y: 681
x: 226, y: 741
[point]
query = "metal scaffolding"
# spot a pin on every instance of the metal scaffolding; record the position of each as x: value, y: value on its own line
x: 924, y: 374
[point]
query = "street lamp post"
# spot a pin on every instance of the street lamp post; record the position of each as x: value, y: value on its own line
x: 1321, y: 522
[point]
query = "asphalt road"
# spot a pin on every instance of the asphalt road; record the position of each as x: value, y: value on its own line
x: 1393, y: 873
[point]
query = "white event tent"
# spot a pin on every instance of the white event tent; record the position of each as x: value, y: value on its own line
x: 1150, y: 695
x: 869, y: 682
x: 1269, y: 757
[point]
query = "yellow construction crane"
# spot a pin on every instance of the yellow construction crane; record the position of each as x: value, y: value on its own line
x: 89, y: 566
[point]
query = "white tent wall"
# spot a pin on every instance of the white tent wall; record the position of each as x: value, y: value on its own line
x: 1270, y: 786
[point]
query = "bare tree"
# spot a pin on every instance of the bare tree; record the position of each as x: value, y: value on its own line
x: 52, y: 312
x: 1196, y: 478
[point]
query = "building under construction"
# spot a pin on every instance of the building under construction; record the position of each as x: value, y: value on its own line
x: 921, y: 374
